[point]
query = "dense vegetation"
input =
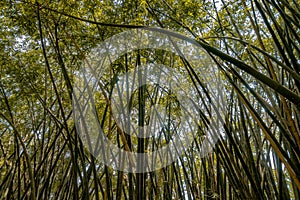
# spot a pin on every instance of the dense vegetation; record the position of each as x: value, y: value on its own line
x: 255, y: 44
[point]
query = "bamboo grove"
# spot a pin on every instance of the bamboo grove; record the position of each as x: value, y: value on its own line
x: 255, y: 45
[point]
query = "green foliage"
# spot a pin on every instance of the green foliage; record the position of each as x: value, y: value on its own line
x: 43, y: 46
